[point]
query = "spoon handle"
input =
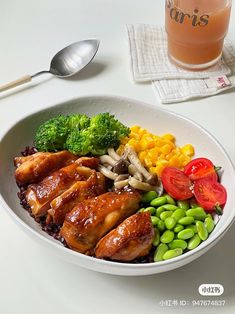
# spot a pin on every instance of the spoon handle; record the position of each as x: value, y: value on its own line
x: 19, y: 81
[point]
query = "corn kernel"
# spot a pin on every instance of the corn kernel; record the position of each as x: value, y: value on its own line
x: 188, y: 150
x: 169, y: 137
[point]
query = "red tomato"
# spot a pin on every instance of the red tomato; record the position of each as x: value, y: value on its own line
x: 200, y: 168
x: 209, y: 194
x: 176, y: 183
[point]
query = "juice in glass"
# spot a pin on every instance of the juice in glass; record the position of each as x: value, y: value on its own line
x: 196, y: 30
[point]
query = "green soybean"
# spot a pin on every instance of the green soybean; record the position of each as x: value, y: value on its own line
x: 193, y: 203
x: 152, y: 210
x: 141, y: 210
x: 178, y: 228
x: 209, y: 224
x: 161, y: 225
x: 172, y: 253
x: 159, y: 210
x: 192, y: 227
x: 201, y: 230
x: 159, y: 252
x: 186, y: 221
x: 154, y: 220
x: 196, y: 213
x: 170, y: 223
x: 183, y: 204
x: 167, y: 236
x: 169, y: 207
x: 194, y: 242
x: 158, y: 201
x: 169, y: 199
x: 178, y: 214
x: 177, y: 243
x: 149, y: 196
x: 185, y: 234
x: 156, y: 239
x: 165, y: 215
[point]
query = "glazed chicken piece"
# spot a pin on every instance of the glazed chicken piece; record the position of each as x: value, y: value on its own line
x: 93, y: 218
x: 79, y: 191
x: 90, y: 162
x: 131, y: 239
x: 40, y: 195
x: 34, y: 168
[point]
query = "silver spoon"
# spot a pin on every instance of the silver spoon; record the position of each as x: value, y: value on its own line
x: 67, y: 62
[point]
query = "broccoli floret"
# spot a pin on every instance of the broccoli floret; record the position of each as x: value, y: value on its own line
x: 52, y: 134
x: 78, y: 121
x: 80, y: 135
x: 78, y: 142
x: 106, y: 132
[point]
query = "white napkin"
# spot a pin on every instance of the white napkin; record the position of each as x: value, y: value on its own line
x: 149, y: 62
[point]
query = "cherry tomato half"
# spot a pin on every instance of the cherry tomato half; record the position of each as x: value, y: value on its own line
x: 200, y: 168
x: 176, y: 183
x: 209, y: 194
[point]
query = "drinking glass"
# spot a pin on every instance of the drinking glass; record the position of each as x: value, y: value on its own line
x: 196, y: 30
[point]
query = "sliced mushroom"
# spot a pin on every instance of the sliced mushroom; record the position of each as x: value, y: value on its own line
x: 107, y: 173
x: 134, y: 159
x: 133, y: 171
x: 122, y: 177
x: 145, y: 186
x: 121, y: 184
x: 121, y: 166
x: 113, y: 154
x: 106, y: 159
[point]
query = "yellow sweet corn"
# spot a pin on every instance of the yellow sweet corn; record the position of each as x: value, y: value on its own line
x: 156, y: 152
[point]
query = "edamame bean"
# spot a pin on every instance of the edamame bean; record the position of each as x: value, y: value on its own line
x: 141, y: 210
x: 186, y: 221
x: 165, y: 215
x: 201, y: 230
x: 158, y: 201
x: 193, y: 203
x: 178, y: 214
x: 196, y: 213
x: 177, y: 243
x: 167, y: 236
x: 209, y: 224
x: 156, y: 239
x: 183, y: 204
x: 149, y: 196
x: 192, y: 227
x: 154, y: 220
x: 178, y: 228
x: 160, y: 251
x: 170, y: 207
x: 185, y: 234
x: 159, y: 210
x: 170, y: 223
x: 152, y: 210
x: 172, y: 253
x: 169, y: 199
x: 161, y: 225
x: 194, y: 242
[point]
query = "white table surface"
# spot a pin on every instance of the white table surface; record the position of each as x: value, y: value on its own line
x: 35, y: 281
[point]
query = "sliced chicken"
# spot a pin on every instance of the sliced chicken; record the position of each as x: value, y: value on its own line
x: 131, y: 239
x: 93, y: 218
x: 34, y: 168
x: 40, y: 195
x: 79, y: 191
x: 90, y: 162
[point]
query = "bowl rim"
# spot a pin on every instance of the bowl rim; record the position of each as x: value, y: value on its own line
x: 138, y: 266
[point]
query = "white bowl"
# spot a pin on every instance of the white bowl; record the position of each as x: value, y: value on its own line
x: 130, y: 112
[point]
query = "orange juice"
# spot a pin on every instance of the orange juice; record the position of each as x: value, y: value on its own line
x: 196, y: 31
